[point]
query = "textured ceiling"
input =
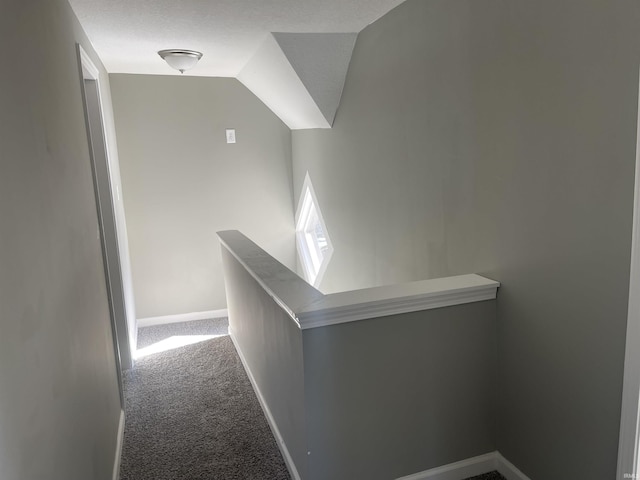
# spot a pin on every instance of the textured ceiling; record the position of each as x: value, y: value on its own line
x: 128, y: 33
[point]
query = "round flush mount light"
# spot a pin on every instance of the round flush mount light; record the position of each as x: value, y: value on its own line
x: 180, y: 59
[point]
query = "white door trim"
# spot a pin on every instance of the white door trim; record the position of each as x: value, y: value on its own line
x: 100, y: 158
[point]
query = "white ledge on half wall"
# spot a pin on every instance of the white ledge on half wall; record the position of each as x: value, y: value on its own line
x: 309, y: 308
x: 395, y: 299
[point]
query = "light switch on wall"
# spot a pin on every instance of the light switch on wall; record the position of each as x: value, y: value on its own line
x: 231, y: 135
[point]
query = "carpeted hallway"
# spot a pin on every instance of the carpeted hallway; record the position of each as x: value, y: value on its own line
x: 192, y: 414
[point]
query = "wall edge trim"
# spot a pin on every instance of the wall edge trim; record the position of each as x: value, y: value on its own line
x: 462, y: 469
x: 288, y: 460
x: 471, y: 467
x: 401, y: 305
x: 119, y: 442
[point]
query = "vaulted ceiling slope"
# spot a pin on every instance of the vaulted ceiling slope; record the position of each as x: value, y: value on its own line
x: 300, y: 76
x: 127, y: 35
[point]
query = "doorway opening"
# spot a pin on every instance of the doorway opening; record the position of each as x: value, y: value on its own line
x: 111, y: 236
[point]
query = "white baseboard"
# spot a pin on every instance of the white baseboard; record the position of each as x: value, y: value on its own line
x: 453, y: 471
x: 470, y: 468
x: 118, y: 456
x: 182, y: 317
x: 458, y: 470
x: 274, y: 428
x: 508, y: 469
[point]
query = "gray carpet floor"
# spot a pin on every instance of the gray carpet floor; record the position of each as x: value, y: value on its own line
x: 192, y: 414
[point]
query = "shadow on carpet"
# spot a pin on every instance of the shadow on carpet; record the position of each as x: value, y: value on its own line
x: 192, y: 414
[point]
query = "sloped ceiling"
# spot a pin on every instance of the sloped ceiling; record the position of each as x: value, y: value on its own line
x: 127, y: 35
x: 300, y: 76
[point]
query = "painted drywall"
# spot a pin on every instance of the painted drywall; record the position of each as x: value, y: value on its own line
x: 271, y: 345
x: 321, y: 62
x: 270, y: 75
x: 392, y: 396
x: 556, y: 149
x: 498, y: 137
x: 378, y: 398
x: 392, y: 177
x: 59, y: 398
x: 300, y: 76
x: 182, y: 182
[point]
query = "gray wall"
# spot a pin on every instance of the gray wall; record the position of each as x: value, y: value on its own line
x: 556, y: 154
x: 59, y: 400
x: 182, y: 183
x: 393, y: 396
x: 498, y: 137
x: 393, y: 178
x: 377, y: 399
x: 271, y: 343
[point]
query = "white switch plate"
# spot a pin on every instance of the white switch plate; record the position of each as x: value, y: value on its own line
x: 231, y: 135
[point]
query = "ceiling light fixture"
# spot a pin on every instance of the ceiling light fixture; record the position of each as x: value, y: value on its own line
x: 180, y: 59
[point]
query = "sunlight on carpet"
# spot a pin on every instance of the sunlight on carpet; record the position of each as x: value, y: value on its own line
x: 171, y: 343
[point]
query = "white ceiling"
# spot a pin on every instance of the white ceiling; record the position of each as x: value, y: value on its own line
x: 127, y: 33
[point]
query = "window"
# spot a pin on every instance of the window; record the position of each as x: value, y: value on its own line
x: 312, y: 241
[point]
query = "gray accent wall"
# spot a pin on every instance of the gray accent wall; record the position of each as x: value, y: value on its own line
x: 556, y: 147
x: 182, y: 182
x: 59, y: 397
x: 393, y: 396
x: 376, y: 399
x: 271, y: 345
x: 498, y: 137
x: 393, y: 178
